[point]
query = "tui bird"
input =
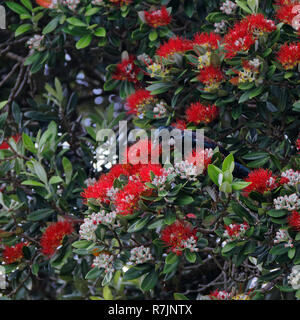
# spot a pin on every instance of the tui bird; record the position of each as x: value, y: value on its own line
x: 240, y: 171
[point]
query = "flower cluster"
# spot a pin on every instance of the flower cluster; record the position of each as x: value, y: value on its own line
x: 293, y: 177
x: 211, y: 77
x: 104, y: 260
x: 53, y: 236
x: 138, y: 100
x: 262, y: 180
x: 228, y: 7
x: 289, y: 55
x: 140, y: 255
x: 36, y: 43
x: 174, y: 45
x: 285, y: 11
x: 194, y: 165
x: 235, y: 231
x: 199, y: 113
x: 219, y: 295
x: 178, y: 236
x: 294, y: 220
x: 294, y: 277
x: 71, y: 4
x: 127, y: 70
x: 158, y: 18
x: 283, y: 236
x: 291, y: 202
x: 14, y: 253
x: 249, y: 72
x: 88, y: 228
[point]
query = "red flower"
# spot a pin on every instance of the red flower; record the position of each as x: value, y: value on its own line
x: 53, y: 236
x: 201, y: 158
x: 284, y: 12
x: 179, y: 124
x: 5, y: 145
x: 127, y: 199
x: 200, y: 113
x: 44, y: 3
x: 233, y: 230
x: 14, y: 253
x: 174, y: 45
x: 136, y: 101
x: 126, y: 70
x: 289, y: 55
x: 142, y: 151
x: 208, y: 40
x: 239, y: 38
x: 294, y: 220
x: 262, y: 180
x: 210, y: 76
x: 157, y: 18
x: 219, y: 295
x: 144, y: 171
x: 298, y: 144
x: 174, y: 234
x: 257, y: 24
x: 98, y: 190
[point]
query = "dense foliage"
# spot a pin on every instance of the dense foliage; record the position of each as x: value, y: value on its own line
x: 75, y: 226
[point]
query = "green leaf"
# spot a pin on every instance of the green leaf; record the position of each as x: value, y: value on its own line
x: 81, y: 244
x: 276, y: 213
x: 149, y: 281
x: 213, y: 173
x: 279, y: 250
x: 76, y: 22
x: 84, y: 41
x: 28, y: 144
x: 153, y: 35
x: 228, y: 247
x: 40, y: 171
x: 243, y: 5
x: 291, y: 252
x: 171, y: 258
x: 184, y: 200
x: 68, y: 169
x: 51, y: 26
x: 190, y: 256
x: 228, y: 163
x: 100, y: 32
x: 180, y: 296
x: 139, y: 225
x: 32, y: 183
x: 40, y: 214
x: 93, y: 274
x: 136, y: 272
x: 55, y: 180
x: 17, y: 8
x: 22, y: 29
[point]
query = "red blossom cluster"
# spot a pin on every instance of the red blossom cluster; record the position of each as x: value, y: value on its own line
x: 137, y: 100
x: 174, y: 234
x: 157, y: 18
x: 208, y: 40
x: 289, y: 55
x: 262, y: 180
x: 5, y: 145
x: 294, y: 220
x: 53, y: 236
x: 210, y: 76
x: 244, y: 33
x: 127, y: 70
x: 125, y: 199
x: 14, y: 253
x: 179, y: 124
x: 234, y: 230
x: 174, y: 45
x: 285, y: 11
x: 120, y: 2
x: 200, y: 113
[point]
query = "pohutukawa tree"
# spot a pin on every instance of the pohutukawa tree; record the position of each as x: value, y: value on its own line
x: 223, y: 223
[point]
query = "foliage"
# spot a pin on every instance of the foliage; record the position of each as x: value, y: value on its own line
x: 218, y: 235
